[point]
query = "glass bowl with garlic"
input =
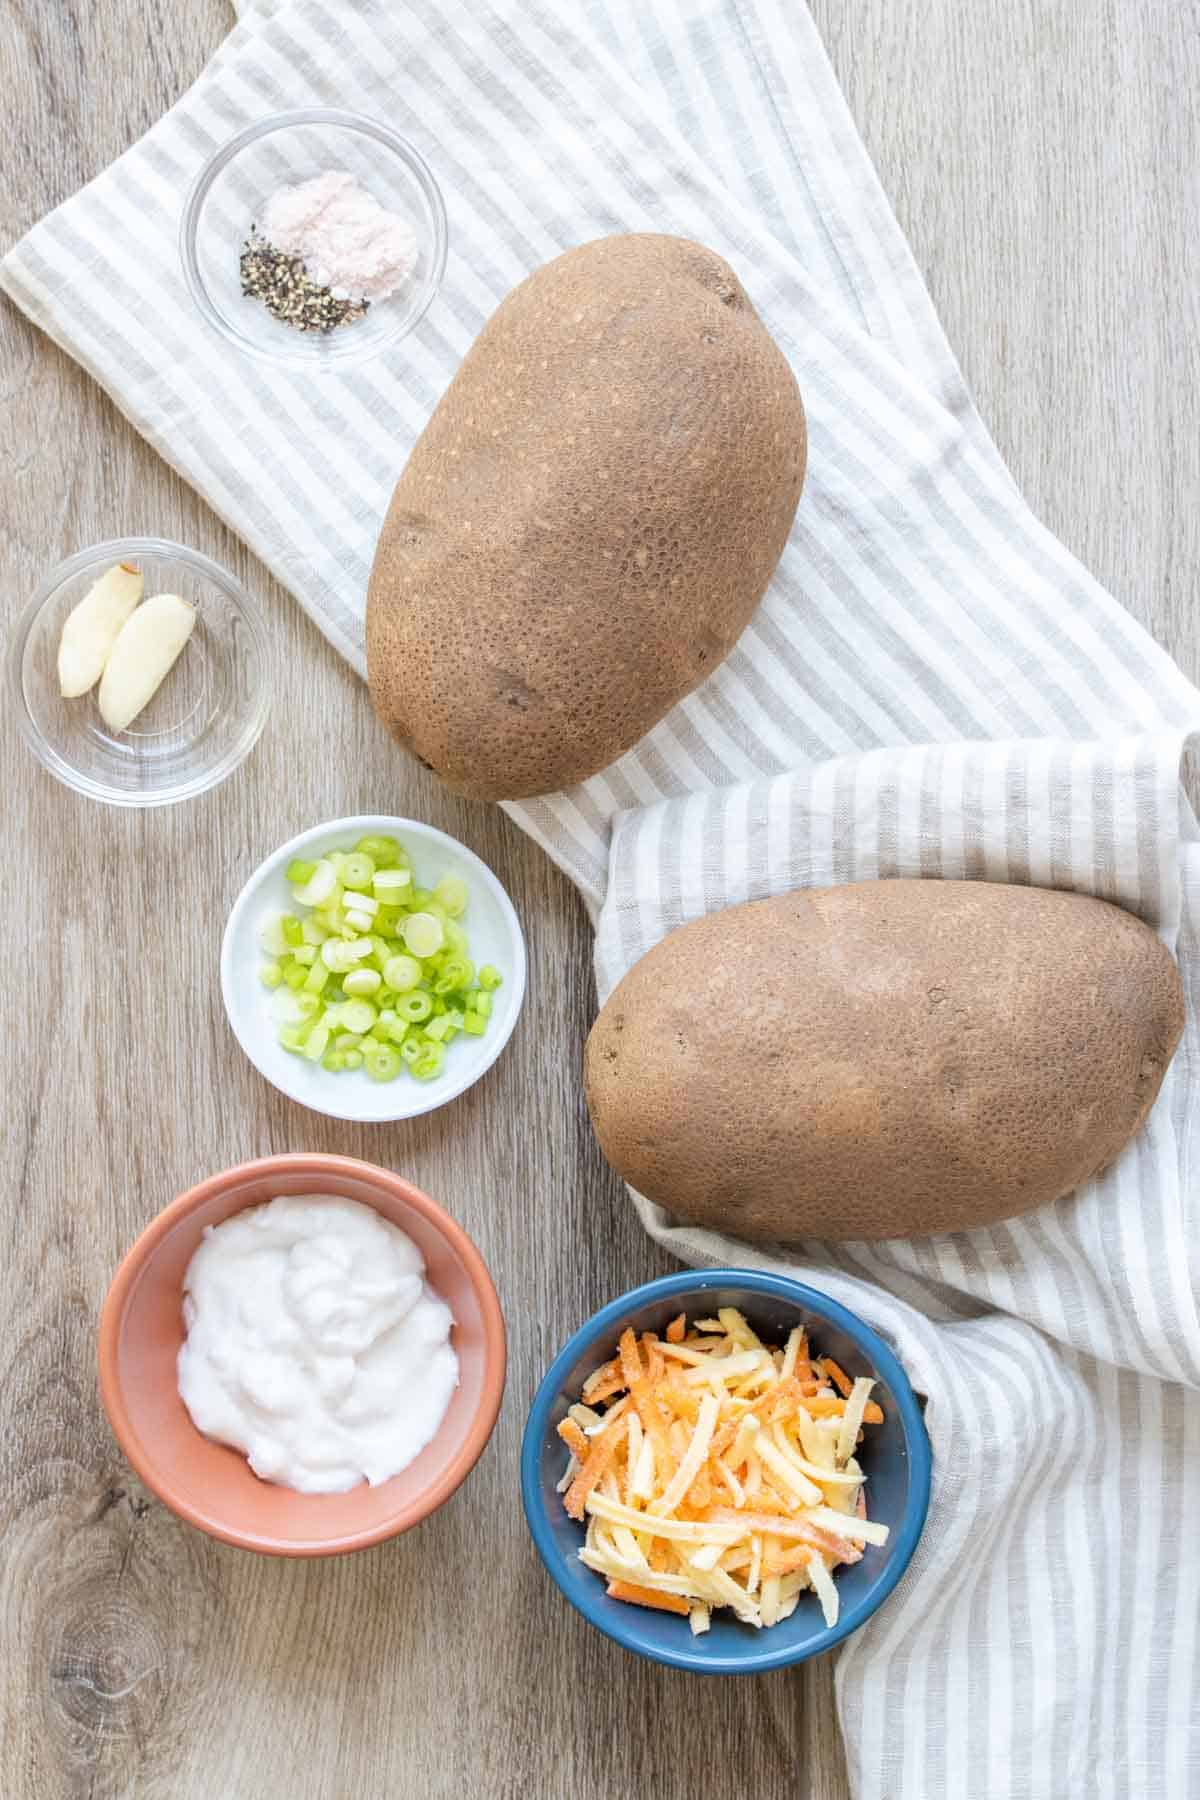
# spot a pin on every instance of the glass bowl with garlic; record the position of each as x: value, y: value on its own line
x: 138, y: 672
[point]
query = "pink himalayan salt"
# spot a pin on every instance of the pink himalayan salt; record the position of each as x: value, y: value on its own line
x: 349, y: 243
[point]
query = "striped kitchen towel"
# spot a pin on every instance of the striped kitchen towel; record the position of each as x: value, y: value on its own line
x: 932, y: 687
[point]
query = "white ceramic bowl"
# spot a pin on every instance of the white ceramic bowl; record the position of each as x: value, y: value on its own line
x: 490, y: 922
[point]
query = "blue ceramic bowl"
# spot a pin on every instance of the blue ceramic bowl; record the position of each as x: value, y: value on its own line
x: 895, y: 1456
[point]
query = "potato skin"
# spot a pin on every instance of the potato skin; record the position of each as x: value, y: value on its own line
x: 885, y: 1059
x: 588, y: 521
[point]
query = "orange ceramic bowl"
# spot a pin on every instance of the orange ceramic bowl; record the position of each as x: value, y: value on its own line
x: 212, y: 1486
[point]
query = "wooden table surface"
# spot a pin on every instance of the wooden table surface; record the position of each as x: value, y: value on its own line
x: 1044, y: 162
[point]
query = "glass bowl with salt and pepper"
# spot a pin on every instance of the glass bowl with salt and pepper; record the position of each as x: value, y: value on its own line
x: 314, y: 238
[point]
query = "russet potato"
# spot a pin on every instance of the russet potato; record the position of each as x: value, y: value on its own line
x: 588, y: 521
x: 882, y: 1060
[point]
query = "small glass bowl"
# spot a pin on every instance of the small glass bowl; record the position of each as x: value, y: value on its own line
x: 204, y: 719
x: 234, y: 186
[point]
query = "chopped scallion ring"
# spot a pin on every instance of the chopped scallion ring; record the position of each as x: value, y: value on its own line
x: 423, y: 934
x: 319, y: 886
x: 373, y: 971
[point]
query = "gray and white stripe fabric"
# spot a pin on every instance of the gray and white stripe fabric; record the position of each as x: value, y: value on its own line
x: 933, y: 687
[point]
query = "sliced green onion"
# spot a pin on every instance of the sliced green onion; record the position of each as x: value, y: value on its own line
x: 451, y: 891
x: 339, y: 956
x: 428, y: 1063
x: 362, y: 981
x: 456, y: 972
x: 382, y: 1062
x: 271, y: 939
x: 414, y: 1007
x: 319, y: 886
x: 423, y: 934
x: 358, y: 1015
x: 457, y: 941
x: 284, y: 1009
x: 391, y: 885
x: 378, y: 968
x: 381, y: 850
x: 402, y: 973
x: 358, y: 870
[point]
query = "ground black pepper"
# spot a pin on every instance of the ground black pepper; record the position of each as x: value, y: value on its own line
x: 279, y: 281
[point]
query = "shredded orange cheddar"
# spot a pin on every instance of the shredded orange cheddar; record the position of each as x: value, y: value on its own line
x: 714, y: 1450
x: 640, y: 1596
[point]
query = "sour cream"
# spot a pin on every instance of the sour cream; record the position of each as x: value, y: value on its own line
x: 314, y: 1343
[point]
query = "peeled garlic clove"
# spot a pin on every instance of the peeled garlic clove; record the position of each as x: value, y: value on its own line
x: 90, y: 629
x: 143, y: 655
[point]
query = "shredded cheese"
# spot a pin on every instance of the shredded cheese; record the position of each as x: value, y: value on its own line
x: 852, y: 1418
x: 714, y: 1471
x: 866, y: 1531
x: 694, y: 1458
x: 806, y: 1491
x: 826, y: 1589
x: 685, y: 1531
x: 706, y: 1557
x: 724, y: 1369
x: 787, y: 1367
x: 823, y: 1477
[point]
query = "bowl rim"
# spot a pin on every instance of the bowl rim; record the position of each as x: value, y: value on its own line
x: 398, y: 146
x: 437, y: 1094
x: 116, y: 550
x: 136, y: 1260
x: 884, y: 1360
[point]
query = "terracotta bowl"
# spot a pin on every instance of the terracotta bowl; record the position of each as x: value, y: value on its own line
x: 212, y: 1486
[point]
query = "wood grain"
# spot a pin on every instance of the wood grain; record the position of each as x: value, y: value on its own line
x: 1043, y: 160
